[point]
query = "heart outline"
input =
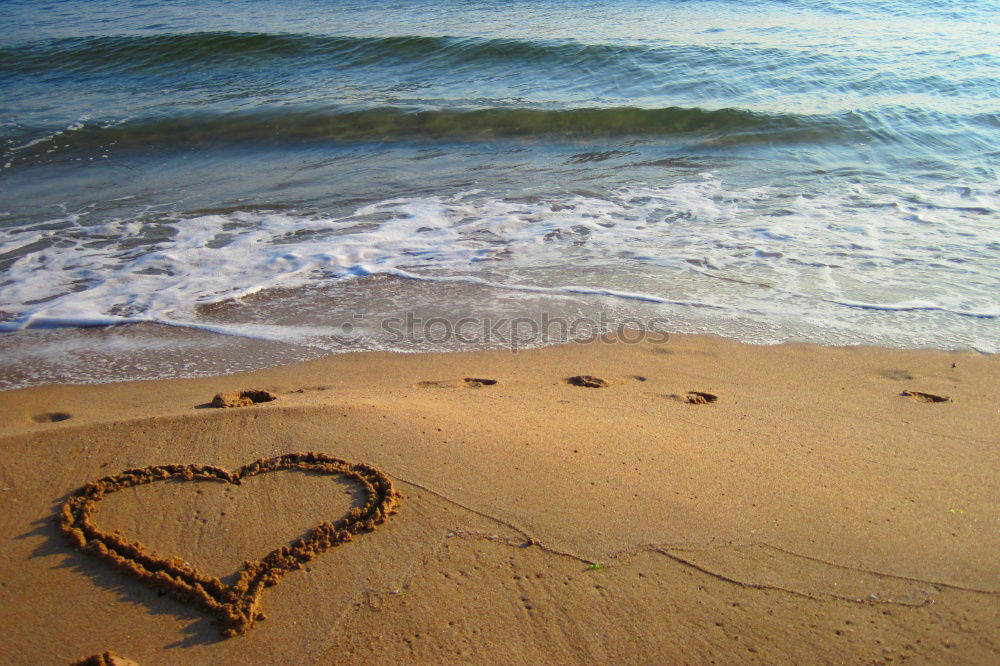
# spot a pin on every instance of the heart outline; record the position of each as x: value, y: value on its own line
x: 235, y: 606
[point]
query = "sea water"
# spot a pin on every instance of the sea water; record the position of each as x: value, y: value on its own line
x: 338, y: 176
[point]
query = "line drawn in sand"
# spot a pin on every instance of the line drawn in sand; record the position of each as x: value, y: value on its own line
x: 235, y: 606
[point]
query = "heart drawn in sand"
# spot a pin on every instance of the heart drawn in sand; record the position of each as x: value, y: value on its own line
x: 237, y: 606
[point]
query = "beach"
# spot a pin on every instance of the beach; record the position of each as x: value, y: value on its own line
x: 467, y: 331
x: 708, y: 501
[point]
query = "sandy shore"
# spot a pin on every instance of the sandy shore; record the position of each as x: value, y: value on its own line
x: 797, y: 508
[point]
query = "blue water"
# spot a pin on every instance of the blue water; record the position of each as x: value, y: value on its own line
x: 773, y: 171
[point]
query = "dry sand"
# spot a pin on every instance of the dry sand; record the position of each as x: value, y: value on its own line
x: 712, y: 502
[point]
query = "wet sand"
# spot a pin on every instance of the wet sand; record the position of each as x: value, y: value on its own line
x: 695, y: 501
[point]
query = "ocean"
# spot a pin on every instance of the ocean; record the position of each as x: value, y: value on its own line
x: 191, y: 188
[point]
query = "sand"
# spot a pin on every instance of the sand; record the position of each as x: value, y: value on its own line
x: 692, y: 502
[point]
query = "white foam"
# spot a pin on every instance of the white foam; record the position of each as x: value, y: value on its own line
x: 72, y: 127
x: 754, y: 252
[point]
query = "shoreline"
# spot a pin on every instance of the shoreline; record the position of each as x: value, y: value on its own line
x: 713, y: 500
x: 151, y: 351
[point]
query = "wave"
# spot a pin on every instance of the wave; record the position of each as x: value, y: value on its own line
x: 175, y: 54
x: 848, y: 260
x: 393, y: 123
x: 138, y: 53
x: 197, y: 51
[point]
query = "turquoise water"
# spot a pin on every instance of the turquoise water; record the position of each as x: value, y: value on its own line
x: 300, y: 171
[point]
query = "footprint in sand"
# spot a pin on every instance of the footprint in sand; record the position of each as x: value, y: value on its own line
x: 104, y: 659
x: 587, y: 381
x: 466, y: 382
x: 896, y: 375
x: 51, y: 417
x: 691, y: 397
x: 243, y: 398
x: 925, y: 397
